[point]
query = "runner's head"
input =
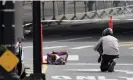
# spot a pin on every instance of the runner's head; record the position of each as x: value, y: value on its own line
x: 107, y: 31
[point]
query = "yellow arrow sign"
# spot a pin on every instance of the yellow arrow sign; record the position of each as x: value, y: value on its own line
x: 8, y: 60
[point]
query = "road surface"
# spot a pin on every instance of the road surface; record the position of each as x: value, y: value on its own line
x: 82, y: 61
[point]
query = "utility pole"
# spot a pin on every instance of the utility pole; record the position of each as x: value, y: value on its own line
x: 37, y: 58
x: 8, y: 34
x: 19, y: 20
x: 43, y: 18
x: 0, y: 22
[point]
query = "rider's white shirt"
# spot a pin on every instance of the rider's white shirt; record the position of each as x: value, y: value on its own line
x: 110, y: 45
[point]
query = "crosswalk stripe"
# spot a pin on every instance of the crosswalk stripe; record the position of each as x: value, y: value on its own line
x: 73, y: 57
x: 81, y: 47
x: 95, y: 64
x: 74, y: 48
x: 54, y: 47
x: 70, y: 57
x: 97, y: 70
x: 130, y: 48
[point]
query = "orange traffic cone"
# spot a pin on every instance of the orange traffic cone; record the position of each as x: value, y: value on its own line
x: 110, y: 23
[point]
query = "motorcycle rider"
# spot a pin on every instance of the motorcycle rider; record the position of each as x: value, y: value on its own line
x: 108, y: 49
x: 57, y: 58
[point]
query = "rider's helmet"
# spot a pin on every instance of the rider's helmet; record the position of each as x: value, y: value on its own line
x: 107, y: 31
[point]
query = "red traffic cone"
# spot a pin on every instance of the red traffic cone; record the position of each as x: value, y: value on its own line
x: 110, y: 23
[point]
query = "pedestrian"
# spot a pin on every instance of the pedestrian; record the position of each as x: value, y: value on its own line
x: 108, y: 49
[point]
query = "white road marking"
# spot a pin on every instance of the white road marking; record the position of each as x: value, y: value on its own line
x: 70, y: 57
x: 67, y: 39
x: 62, y: 77
x: 130, y: 48
x: 126, y: 78
x: 26, y: 47
x: 81, y: 47
x: 103, y: 78
x: 74, y: 48
x: 97, y: 70
x: 85, y: 77
x: 119, y: 64
x: 73, y: 57
x: 53, y: 47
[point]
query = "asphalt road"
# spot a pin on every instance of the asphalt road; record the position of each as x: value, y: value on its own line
x: 82, y: 61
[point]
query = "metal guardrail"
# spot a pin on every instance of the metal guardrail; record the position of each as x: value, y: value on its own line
x: 82, y: 10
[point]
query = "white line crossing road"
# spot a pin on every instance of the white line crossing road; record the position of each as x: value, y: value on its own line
x: 82, y: 47
x: 97, y: 64
x: 97, y: 70
x: 80, y: 78
x: 77, y: 47
x: 70, y: 58
x: 130, y: 48
x: 54, y: 47
x: 73, y: 48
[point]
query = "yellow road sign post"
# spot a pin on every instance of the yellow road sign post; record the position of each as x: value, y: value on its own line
x: 8, y: 60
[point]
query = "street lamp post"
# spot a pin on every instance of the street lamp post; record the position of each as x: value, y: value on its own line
x: 37, y: 56
x: 19, y: 19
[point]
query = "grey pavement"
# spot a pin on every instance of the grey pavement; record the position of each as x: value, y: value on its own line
x: 86, y: 66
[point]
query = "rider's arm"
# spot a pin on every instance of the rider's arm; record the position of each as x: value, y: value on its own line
x: 99, y: 43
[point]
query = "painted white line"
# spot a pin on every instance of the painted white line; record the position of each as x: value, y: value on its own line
x: 97, y: 70
x: 129, y: 72
x: 103, y: 78
x: 130, y: 48
x: 54, y: 47
x: 73, y: 57
x: 27, y: 47
x: 89, y: 64
x: 81, y: 47
x: 68, y: 39
x: 70, y: 58
x: 126, y: 78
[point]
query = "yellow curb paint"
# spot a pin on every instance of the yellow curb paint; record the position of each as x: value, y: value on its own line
x: 44, y: 61
x: 126, y: 43
x: 44, y: 67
